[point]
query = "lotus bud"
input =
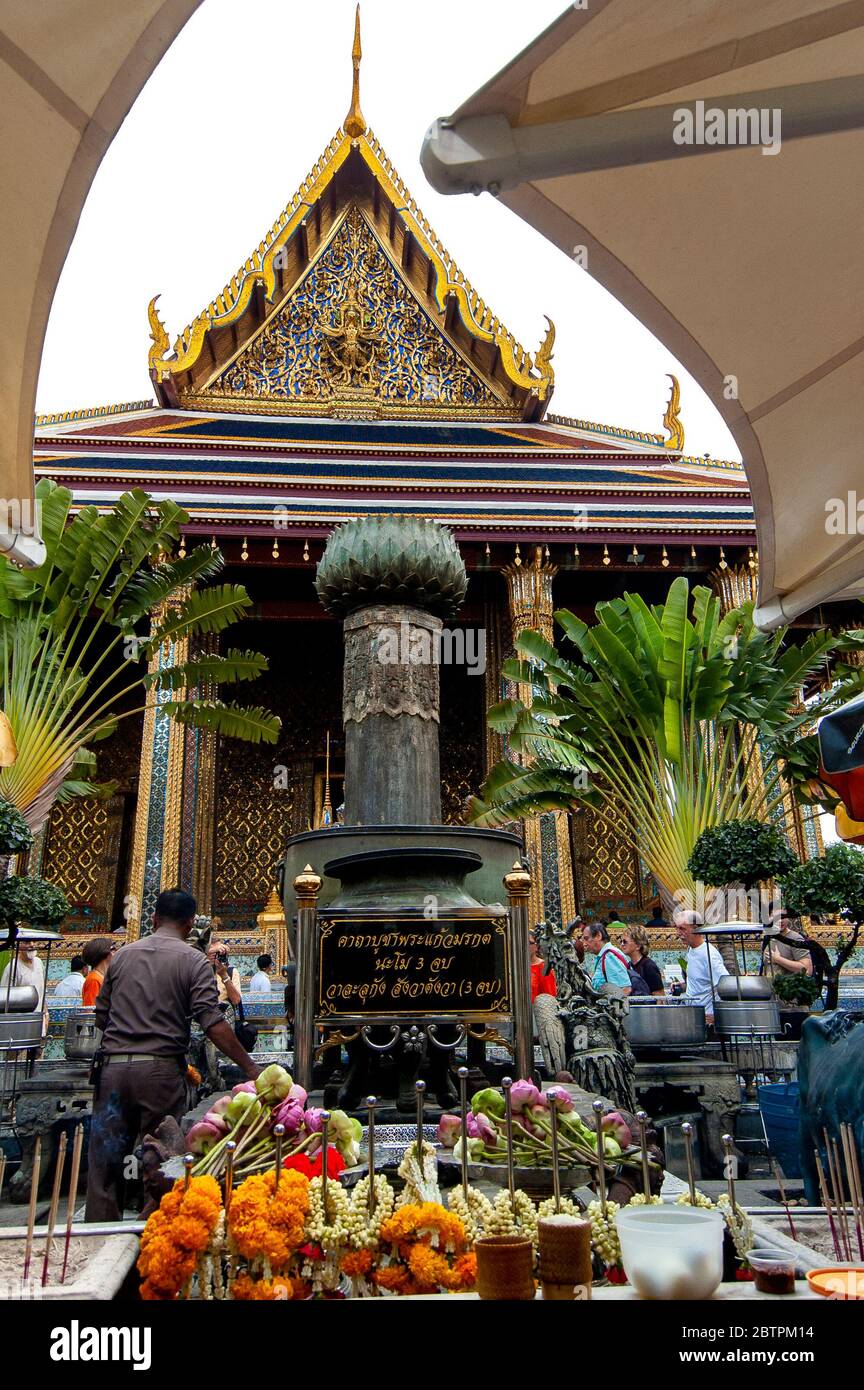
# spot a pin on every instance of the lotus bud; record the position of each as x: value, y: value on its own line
x: 488, y: 1102
x: 312, y: 1120
x: 560, y: 1099
x: 273, y: 1083
x: 220, y: 1106
x: 218, y: 1121
x: 298, y: 1094
x: 486, y: 1131
x: 449, y: 1130
x: 523, y: 1094
x: 248, y: 1086
x: 289, y: 1114
x: 202, y: 1136
x: 243, y: 1109
x: 615, y: 1125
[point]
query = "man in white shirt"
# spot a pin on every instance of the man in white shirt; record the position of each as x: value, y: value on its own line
x: 260, y: 982
x: 705, y: 965
x: 69, y: 988
x: 28, y: 970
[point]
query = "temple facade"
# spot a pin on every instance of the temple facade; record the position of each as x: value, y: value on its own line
x: 348, y: 368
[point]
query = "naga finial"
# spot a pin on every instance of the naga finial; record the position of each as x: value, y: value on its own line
x: 159, y: 342
x: 355, y: 122
x: 672, y: 418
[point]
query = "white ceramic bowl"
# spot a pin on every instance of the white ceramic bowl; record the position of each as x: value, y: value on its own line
x: 671, y: 1252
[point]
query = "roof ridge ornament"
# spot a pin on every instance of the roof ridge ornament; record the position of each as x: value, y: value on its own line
x: 672, y: 418
x: 355, y: 122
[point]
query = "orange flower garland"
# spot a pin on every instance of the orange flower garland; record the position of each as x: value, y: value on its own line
x: 267, y: 1223
x: 247, y: 1289
x: 428, y: 1251
x: 177, y: 1235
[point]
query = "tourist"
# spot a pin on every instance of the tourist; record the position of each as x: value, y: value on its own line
x: 610, y: 965
x: 636, y: 945
x: 227, y: 975
x: 705, y: 965
x: 657, y: 919
x: 97, y: 957
x: 70, y: 987
x: 28, y: 970
x: 152, y: 990
x: 786, y: 954
x: 542, y: 981
x: 260, y: 982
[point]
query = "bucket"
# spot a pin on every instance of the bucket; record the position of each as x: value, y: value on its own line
x: 780, y: 1112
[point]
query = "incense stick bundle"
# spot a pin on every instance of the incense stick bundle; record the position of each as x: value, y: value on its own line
x: 853, y: 1177
x: 778, y: 1174
x: 55, y: 1202
x: 837, y: 1192
x: 826, y: 1202
x: 31, y: 1211
x: 77, y: 1146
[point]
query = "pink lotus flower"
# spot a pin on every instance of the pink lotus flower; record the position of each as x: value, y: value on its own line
x: 220, y: 1106
x: 202, y: 1136
x: 522, y: 1094
x: 313, y: 1121
x: 449, y: 1129
x: 486, y: 1131
x: 560, y: 1099
x: 617, y: 1128
x: 244, y: 1086
x: 218, y: 1121
x: 290, y: 1114
x: 298, y: 1095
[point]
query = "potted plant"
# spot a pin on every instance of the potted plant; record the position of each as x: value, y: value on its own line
x: 741, y: 851
x: 796, y: 994
x: 15, y: 834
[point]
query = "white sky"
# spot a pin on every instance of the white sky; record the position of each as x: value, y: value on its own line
x: 232, y: 120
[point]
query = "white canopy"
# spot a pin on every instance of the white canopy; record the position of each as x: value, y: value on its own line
x: 69, y: 72
x: 747, y: 264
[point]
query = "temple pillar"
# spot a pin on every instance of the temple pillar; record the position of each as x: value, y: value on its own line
x: 547, y: 836
x: 172, y: 843
x: 735, y: 585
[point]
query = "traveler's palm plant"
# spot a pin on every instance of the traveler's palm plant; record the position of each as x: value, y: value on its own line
x: 75, y: 635
x: 663, y: 719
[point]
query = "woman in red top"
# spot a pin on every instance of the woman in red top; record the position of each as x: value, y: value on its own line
x: 541, y: 983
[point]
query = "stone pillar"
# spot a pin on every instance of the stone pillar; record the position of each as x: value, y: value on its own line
x: 547, y: 840
x: 391, y: 715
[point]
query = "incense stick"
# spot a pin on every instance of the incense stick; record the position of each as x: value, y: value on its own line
x: 856, y: 1178
x: 823, y: 1189
x: 77, y: 1146
x: 31, y: 1213
x: 847, y: 1140
x: 778, y: 1174
x: 55, y: 1202
x: 642, y: 1121
x: 837, y: 1192
x: 597, y: 1107
x: 687, y: 1131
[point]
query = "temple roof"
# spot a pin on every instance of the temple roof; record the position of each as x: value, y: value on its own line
x: 351, y: 307
x: 242, y: 474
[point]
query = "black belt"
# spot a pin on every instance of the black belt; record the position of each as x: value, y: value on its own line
x: 142, y: 1057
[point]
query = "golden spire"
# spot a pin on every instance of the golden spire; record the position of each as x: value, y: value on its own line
x: 355, y: 122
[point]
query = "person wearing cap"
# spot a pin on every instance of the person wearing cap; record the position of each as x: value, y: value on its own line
x: 705, y: 965
x: 780, y: 948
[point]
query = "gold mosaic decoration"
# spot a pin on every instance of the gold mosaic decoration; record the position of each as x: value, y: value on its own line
x: 352, y: 335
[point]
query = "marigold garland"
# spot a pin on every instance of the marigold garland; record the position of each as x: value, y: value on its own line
x: 176, y: 1235
x: 428, y: 1251
x: 266, y: 1223
x: 280, y: 1290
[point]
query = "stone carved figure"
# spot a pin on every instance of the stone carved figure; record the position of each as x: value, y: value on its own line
x: 831, y: 1087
